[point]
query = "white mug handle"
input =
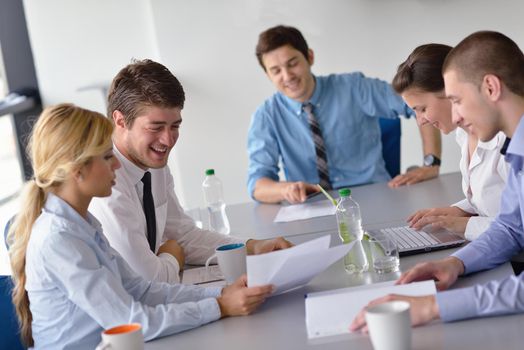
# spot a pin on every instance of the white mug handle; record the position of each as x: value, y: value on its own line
x: 103, y: 346
x: 210, y: 258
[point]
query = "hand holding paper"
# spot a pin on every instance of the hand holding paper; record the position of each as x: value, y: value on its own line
x: 294, y: 267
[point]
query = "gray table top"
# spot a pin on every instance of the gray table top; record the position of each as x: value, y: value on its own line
x: 378, y: 204
x: 280, y: 322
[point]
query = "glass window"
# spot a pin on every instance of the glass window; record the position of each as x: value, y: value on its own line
x: 11, y: 180
x: 10, y: 177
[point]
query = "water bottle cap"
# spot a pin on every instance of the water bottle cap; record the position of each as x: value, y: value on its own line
x: 344, y: 192
x: 210, y: 172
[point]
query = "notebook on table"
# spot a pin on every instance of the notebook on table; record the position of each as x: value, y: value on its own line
x: 410, y: 241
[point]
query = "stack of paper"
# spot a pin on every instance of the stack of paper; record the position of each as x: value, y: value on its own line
x: 331, y: 312
x: 294, y: 267
x: 305, y: 211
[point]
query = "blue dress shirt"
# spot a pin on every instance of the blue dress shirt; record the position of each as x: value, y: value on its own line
x: 503, y: 239
x: 78, y: 286
x: 347, y: 107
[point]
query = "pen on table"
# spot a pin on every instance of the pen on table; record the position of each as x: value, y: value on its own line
x: 328, y: 196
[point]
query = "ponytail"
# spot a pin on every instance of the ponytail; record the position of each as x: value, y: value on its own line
x: 18, y: 238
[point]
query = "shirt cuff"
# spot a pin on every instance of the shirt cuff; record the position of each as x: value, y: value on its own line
x: 209, y: 310
x: 456, y: 304
x: 212, y: 292
x: 470, y: 257
x: 173, y: 274
x: 464, y: 205
x: 476, y: 226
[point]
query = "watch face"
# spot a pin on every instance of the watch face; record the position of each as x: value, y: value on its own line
x: 428, y: 160
x: 431, y: 160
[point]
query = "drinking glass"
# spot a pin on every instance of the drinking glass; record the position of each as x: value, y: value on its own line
x: 384, y: 252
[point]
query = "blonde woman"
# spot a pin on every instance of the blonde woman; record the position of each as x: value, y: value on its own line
x: 484, y: 172
x: 69, y: 283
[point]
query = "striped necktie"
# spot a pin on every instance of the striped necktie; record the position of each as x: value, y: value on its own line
x: 149, y: 211
x: 322, y: 164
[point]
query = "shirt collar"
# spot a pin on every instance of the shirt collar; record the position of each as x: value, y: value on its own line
x: 134, y: 172
x: 462, y: 135
x: 489, y: 145
x: 516, y: 146
x: 57, y: 206
x: 296, y: 106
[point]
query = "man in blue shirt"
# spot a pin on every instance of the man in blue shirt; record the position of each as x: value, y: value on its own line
x: 484, y: 78
x: 346, y: 108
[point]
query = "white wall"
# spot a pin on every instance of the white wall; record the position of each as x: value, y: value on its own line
x: 209, y: 45
x: 78, y: 43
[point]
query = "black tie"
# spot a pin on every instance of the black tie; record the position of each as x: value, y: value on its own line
x: 149, y: 210
x: 320, y: 149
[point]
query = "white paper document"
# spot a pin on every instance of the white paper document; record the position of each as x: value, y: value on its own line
x: 305, y: 211
x: 331, y: 312
x: 294, y: 267
x: 204, y: 276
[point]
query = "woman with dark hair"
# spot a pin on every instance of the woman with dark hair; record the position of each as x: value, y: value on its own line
x: 484, y: 172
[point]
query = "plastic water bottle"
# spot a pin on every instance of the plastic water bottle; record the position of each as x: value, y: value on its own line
x: 350, y: 229
x: 214, y: 198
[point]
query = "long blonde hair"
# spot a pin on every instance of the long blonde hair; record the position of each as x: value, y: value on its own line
x: 64, y: 138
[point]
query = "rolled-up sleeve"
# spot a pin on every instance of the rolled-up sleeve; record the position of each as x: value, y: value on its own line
x: 263, y: 152
x: 379, y: 99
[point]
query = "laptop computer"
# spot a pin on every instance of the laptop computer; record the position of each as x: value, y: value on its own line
x: 410, y: 241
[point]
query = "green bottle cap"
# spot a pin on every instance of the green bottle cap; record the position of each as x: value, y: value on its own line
x: 210, y: 172
x: 344, y: 192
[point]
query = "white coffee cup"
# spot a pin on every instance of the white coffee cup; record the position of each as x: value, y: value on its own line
x: 123, y: 337
x: 231, y: 260
x: 389, y: 325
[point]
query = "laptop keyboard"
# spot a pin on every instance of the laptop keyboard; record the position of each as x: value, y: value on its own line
x: 407, y: 238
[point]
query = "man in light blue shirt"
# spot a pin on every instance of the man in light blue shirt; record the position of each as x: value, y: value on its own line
x: 484, y: 78
x: 346, y: 107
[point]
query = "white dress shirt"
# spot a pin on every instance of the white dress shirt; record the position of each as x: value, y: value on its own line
x: 124, y: 222
x: 483, y: 179
x: 78, y: 286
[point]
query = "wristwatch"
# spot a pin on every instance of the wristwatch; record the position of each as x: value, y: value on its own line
x: 431, y: 160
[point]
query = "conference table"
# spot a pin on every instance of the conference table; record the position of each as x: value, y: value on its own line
x: 280, y: 322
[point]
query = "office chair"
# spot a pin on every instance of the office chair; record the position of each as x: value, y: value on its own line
x: 9, y: 329
x: 390, y: 137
